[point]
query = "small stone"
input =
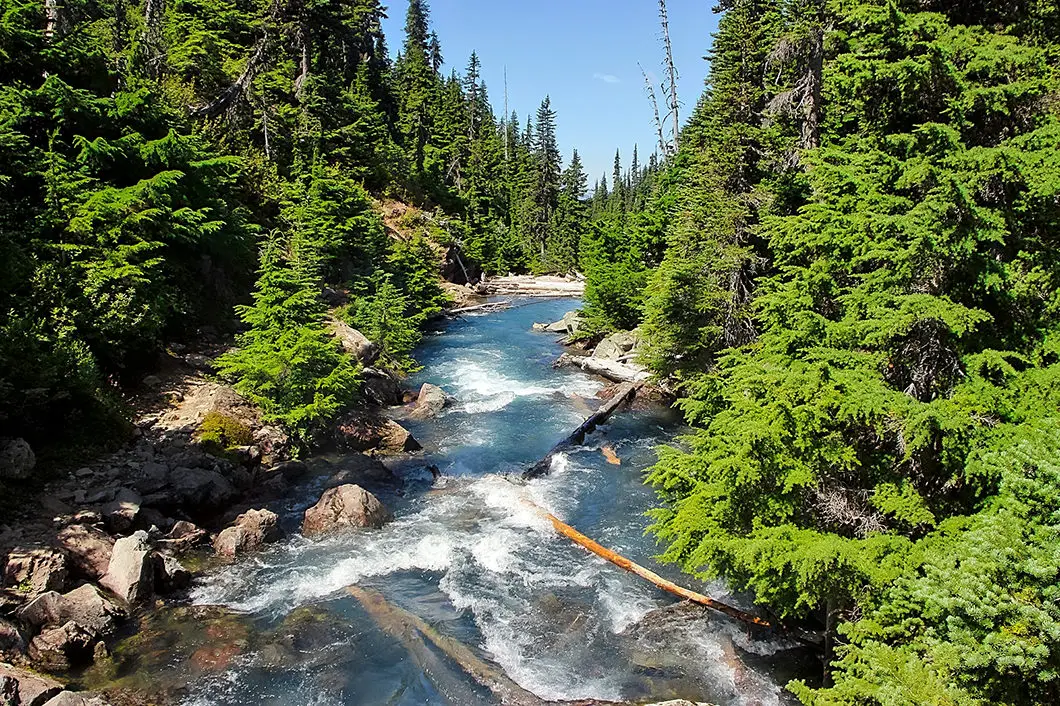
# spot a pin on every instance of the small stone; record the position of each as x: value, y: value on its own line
x: 152, y: 381
x: 120, y: 513
x: 84, y: 472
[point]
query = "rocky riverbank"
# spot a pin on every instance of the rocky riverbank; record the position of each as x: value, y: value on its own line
x: 94, y: 549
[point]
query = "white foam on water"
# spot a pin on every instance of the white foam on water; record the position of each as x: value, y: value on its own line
x: 482, y: 386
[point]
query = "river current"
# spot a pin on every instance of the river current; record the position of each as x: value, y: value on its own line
x: 465, y: 554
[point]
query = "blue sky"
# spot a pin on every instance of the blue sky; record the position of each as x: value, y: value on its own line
x: 583, y: 54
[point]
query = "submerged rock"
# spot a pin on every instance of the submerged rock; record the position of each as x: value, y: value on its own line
x: 251, y: 530
x: 343, y: 507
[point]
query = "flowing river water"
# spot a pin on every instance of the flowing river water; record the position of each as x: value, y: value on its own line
x: 466, y: 555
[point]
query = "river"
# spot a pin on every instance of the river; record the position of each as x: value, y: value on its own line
x: 465, y: 554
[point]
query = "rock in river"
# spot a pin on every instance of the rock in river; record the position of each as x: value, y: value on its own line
x: 251, y: 530
x: 342, y: 507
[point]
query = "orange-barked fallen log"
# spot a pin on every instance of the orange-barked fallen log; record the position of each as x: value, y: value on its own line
x: 647, y: 574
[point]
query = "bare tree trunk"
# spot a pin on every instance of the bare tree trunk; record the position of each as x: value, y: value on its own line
x: 51, y: 15
x: 663, y: 148
x: 507, y: 115
x: 811, y: 124
x: 671, y: 74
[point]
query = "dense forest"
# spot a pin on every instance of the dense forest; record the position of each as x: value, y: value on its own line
x: 164, y: 162
x: 846, y: 263
x: 849, y: 267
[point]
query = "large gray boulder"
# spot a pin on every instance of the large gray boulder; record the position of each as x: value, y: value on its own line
x: 88, y: 549
x: 34, y: 571
x: 250, y: 532
x: 17, y: 459
x: 130, y: 575
x: 570, y: 324
x: 120, y: 513
x: 616, y: 345
x: 354, y: 342
x: 199, y: 489
x: 86, y: 606
x: 430, y: 403
x: 32, y: 689
x: 344, y: 507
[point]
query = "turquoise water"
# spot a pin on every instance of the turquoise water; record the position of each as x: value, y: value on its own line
x: 466, y: 555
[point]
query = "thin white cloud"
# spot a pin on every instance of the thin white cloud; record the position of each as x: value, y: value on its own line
x: 607, y: 78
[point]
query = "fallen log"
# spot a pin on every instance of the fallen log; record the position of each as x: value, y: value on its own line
x: 668, y: 586
x: 610, y: 369
x: 404, y: 625
x: 488, y: 306
x: 625, y: 392
x: 647, y: 574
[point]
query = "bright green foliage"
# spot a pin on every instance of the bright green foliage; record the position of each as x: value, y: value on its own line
x: 859, y: 294
x: 287, y: 362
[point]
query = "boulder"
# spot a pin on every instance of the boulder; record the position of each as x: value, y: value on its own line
x: 354, y: 342
x: 151, y: 477
x: 69, y: 698
x: 252, y: 530
x: 130, y: 575
x: 120, y: 513
x: 290, y: 470
x: 570, y: 324
x: 381, y: 388
x: 17, y: 459
x: 615, y: 346
x: 61, y: 648
x: 12, y: 642
x: 35, y: 571
x: 342, y: 507
x: 184, y: 536
x: 358, y: 469
x: 170, y: 574
x: 430, y: 403
x: 360, y: 431
x: 32, y: 689
x: 88, y: 549
x: 198, y: 489
x: 86, y: 606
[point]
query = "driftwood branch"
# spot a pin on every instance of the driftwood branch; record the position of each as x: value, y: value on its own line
x: 408, y: 629
x: 613, y: 370
x: 488, y: 306
x: 625, y: 393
